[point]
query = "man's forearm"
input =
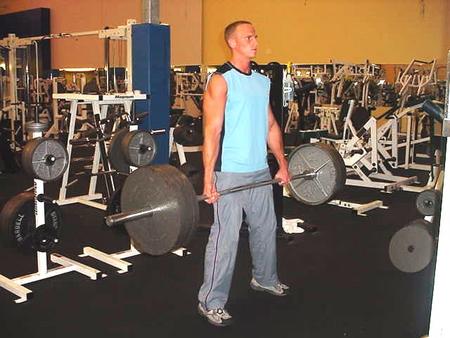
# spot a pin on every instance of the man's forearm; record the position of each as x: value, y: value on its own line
x: 210, y: 152
x: 275, y: 143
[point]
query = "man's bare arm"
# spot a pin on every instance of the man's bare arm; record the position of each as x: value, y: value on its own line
x: 275, y: 143
x: 214, y: 101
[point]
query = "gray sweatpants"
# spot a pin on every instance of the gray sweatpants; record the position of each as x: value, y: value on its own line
x: 222, y: 245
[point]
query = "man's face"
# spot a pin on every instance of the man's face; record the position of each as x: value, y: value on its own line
x: 244, y: 41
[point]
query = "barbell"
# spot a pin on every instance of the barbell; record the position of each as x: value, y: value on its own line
x: 160, y: 207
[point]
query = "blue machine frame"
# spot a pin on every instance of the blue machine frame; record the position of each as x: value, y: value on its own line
x: 151, y: 75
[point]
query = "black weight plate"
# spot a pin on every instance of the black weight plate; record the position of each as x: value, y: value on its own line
x: 428, y: 202
x: 115, y: 154
x: 113, y: 207
x: 165, y: 188
x: 188, y: 136
x: 45, y: 159
x: 185, y: 120
x: 17, y: 223
x: 412, y: 247
x: 139, y: 148
x: 194, y: 175
x: 330, y: 178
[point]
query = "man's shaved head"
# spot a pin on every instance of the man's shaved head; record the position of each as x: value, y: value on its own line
x: 229, y: 30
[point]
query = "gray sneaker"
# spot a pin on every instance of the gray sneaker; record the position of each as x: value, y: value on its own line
x: 217, y: 317
x: 278, y: 289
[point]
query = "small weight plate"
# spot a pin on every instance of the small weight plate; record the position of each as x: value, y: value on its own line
x: 139, y: 148
x: 428, y: 202
x: 412, y: 247
x: 330, y: 168
x: 45, y: 159
x: 115, y: 153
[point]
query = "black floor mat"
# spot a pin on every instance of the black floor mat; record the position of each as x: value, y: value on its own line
x: 343, y: 284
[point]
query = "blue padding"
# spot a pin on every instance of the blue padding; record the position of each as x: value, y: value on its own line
x: 151, y: 75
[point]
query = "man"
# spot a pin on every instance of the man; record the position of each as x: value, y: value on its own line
x: 238, y: 125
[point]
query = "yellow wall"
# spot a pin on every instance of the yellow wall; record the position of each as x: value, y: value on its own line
x: 184, y: 17
x: 447, y: 20
x: 307, y: 31
x: 384, y: 31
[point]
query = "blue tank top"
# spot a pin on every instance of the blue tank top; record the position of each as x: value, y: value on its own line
x: 243, y: 142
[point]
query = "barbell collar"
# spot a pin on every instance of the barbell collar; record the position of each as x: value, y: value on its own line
x: 122, y: 217
x: 128, y: 216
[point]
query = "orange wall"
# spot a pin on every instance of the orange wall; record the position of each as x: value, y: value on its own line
x: 301, y: 31
x: 79, y: 16
x: 185, y: 20
x: 307, y: 31
x: 447, y: 40
x: 184, y: 17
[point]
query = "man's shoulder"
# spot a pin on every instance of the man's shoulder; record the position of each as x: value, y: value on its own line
x: 260, y: 76
x: 226, y: 67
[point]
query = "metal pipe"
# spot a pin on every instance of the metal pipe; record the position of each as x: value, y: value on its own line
x: 36, y: 116
x: 37, y: 71
x: 150, y: 11
x: 28, y: 82
x: 106, y: 62
x: 12, y: 74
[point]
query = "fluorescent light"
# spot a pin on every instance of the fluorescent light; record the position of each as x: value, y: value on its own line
x: 78, y: 69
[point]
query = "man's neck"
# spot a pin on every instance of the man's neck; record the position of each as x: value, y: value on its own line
x: 242, y: 64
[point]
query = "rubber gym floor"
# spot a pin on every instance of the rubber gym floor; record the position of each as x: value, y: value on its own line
x: 343, y: 283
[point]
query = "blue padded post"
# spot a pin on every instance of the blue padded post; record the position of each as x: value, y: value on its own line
x: 151, y: 75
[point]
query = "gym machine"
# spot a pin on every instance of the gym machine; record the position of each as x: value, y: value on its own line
x: 148, y: 58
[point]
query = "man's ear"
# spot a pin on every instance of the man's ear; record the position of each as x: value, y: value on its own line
x: 232, y: 42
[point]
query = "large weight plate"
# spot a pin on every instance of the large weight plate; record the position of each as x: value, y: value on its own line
x: 18, y: 227
x: 139, y: 148
x: 412, y: 247
x: 165, y: 188
x: 115, y: 154
x: 45, y: 159
x: 428, y: 202
x: 330, y: 177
